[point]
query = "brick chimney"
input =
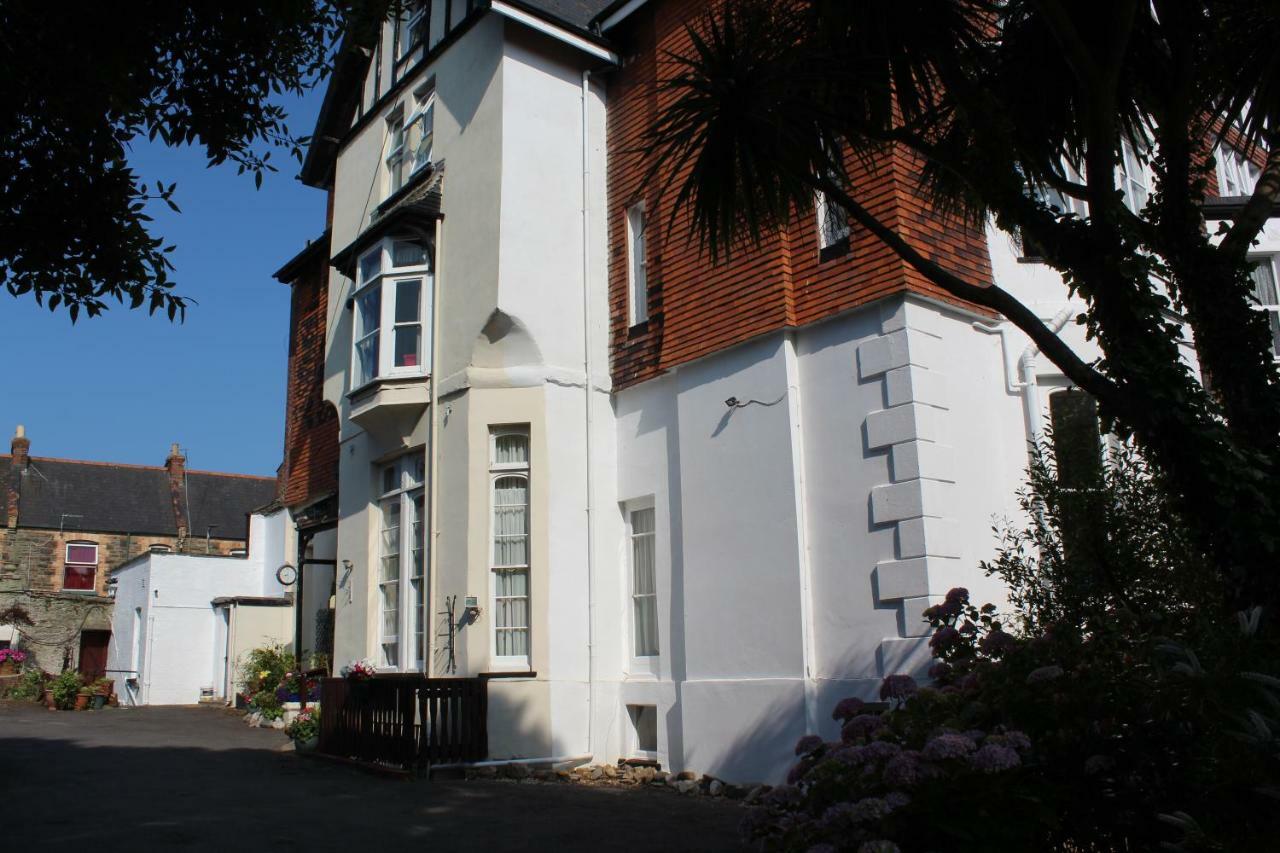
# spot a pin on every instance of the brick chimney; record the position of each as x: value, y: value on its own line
x: 176, y: 465
x: 19, y: 447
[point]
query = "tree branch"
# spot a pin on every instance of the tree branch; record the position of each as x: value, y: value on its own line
x: 1257, y: 210
x: 990, y: 296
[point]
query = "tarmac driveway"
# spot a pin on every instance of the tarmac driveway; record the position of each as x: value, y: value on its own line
x: 200, y: 779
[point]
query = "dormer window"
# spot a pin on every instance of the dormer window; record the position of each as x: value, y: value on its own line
x: 391, y: 335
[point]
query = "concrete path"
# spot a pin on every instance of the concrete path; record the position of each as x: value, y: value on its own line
x: 200, y: 779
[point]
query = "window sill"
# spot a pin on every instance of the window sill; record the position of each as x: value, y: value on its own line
x: 502, y: 673
x: 838, y: 249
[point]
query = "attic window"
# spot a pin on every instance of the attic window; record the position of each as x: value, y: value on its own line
x: 160, y: 549
x: 80, y: 566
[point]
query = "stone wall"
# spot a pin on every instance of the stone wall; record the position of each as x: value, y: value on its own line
x: 54, y: 640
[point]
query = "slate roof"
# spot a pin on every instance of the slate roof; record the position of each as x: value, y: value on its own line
x: 105, y: 497
x: 579, y: 13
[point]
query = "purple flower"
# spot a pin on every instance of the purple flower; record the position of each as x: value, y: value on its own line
x: 944, y: 638
x: 993, y: 758
x: 1044, y: 673
x: 1013, y: 739
x: 898, y: 687
x: 940, y: 670
x: 822, y: 848
x: 958, y: 594
x: 783, y: 797
x: 848, y: 708
x: 861, y: 726
x: 879, y: 846
x: 808, y: 744
x: 871, y: 808
x: 948, y: 745
x: 997, y: 642
x: 897, y: 800
x: 903, y: 770
x: 872, y: 753
x: 838, y: 817
x: 968, y: 628
x: 796, y: 773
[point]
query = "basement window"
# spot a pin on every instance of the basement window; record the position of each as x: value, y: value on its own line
x: 644, y: 728
x: 80, y: 567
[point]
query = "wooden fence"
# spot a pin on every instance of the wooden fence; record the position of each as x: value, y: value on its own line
x: 406, y: 721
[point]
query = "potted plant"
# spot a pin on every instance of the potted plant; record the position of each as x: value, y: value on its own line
x: 65, y: 688
x: 101, y: 689
x: 358, y: 676
x: 83, y: 696
x: 304, y: 731
x: 11, y: 660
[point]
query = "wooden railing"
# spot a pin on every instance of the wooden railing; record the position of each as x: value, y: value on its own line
x: 406, y: 721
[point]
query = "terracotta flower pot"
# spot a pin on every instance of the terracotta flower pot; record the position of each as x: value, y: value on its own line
x: 8, y: 667
x: 49, y: 701
x: 82, y: 701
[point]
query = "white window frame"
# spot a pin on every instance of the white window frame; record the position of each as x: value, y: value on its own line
x: 408, y: 35
x: 407, y: 481
x: 67, y: 562
x: 642, y: 665
x: 424, y: 113
x: 499, y: 471
x: 1133, y: 174
x: 385, y: 281
x: 394, y: 158
x: 637, y: 265
x: 1237, y: 174
x: 1273, y: 309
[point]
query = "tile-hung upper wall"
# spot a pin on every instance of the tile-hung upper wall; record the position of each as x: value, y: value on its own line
x: 695, y: 308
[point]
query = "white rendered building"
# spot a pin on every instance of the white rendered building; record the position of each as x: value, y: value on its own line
x: 668, y: 509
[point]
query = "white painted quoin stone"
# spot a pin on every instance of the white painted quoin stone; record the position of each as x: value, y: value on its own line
x: 919, y: 500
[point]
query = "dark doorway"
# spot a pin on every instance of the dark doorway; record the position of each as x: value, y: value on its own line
x: 93, y: 653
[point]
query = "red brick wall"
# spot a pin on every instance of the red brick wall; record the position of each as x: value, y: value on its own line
x: 697, y: 308
x: 310, y: 469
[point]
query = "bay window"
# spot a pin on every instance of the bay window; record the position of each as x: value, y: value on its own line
x: 509, y: 560
x: 80, y: 566
x: 401, y: 563
x: 392, y: 303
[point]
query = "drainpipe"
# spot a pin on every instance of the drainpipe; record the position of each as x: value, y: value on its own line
x: 1022, y: 378
x: 433, y: 457
x: 586, y: 390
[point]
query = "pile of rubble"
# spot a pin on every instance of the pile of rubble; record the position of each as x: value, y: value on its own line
x: 625, y: 774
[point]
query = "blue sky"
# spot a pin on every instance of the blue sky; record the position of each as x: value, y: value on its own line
x: 123, y: 386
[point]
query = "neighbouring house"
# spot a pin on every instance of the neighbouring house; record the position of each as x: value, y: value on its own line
x: 184, y: 622
x: 668, y: 509
x: 68, y: 522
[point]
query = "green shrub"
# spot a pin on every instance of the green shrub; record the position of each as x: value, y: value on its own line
x: 265, y: 668
x: 65, y: 687
x: 1121, y: 712
x: 30, y: 685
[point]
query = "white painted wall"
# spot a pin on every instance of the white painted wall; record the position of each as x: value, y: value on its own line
x: 175, y: 652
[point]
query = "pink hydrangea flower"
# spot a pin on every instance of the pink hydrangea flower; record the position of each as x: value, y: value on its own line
x: 994, y: 758
x: 948, y: 745
x: 848, y: 708
x: 898, y: 687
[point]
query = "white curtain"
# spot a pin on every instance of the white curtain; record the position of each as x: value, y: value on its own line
x: 644, y: 592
